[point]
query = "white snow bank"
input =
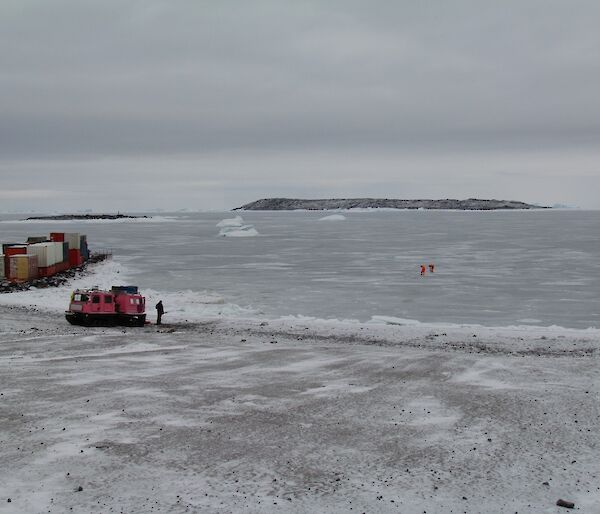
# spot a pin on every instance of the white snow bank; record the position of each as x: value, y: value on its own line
x: 333, y: 217
x: 523, y: 329
x: 192, y: 305
x: 56, y: 299
x: 179, y: 305
x: 235, y: 227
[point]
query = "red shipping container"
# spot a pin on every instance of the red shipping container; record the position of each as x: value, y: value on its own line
x: 74, y: 257
x: 16, y: 250
x: 47, y: 271
x: 58, y: 237
x: 62, y: 266
x: 12, y: 250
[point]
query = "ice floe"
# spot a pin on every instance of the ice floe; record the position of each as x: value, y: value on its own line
x: 236, y: 227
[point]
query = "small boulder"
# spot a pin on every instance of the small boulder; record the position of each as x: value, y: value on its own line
x: 565, y: 504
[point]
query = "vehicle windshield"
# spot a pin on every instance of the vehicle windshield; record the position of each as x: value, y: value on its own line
x: 78, y: 297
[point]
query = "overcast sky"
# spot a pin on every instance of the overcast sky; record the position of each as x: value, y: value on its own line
x: 142, y: 104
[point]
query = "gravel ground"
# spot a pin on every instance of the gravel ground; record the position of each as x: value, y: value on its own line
x: 228, y: 416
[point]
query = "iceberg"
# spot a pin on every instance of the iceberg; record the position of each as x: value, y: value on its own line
x: 235, y: 227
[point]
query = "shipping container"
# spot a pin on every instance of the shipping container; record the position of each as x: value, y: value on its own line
x: 125, y: 289
x: 14, y: 249
x: 43, y: 252
x: 36, y: 239
x: 57, y: 250
x: 47, y: 271
x: 74, y: 257
x: 73, y: 239
x: 48, y: 254
x: 8, y: 245
x: 61, y: 266
x: 57, y: 236
x: 23, y: 267
x: 83, y: 248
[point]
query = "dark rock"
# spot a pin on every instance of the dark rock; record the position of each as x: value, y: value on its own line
x: 84, y: 217
x: 565, y: 504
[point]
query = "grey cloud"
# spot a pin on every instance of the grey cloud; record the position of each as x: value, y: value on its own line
x: 85, y: 80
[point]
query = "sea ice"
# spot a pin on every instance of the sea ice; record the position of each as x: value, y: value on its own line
x: 243, y: 231
x: 333, y: 217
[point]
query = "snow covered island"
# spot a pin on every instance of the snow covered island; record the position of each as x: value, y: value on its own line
x: 471, y: 204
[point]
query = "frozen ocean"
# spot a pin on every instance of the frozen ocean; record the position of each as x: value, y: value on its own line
x: 496, y: 268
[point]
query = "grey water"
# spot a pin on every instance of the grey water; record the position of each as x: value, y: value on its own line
x: 494, y: 268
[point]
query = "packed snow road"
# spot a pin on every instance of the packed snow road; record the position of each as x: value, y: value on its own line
x: 290, y: 416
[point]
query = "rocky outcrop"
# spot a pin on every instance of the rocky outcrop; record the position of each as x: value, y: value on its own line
x: 62, y: 217
x: 472, y: 204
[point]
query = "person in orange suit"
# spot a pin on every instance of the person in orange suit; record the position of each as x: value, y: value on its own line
x: 423, y: 269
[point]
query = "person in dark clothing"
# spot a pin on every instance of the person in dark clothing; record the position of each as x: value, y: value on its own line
x: 160, y: 310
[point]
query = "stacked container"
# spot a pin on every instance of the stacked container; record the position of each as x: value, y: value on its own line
x: 22, y: 267
x: 63, y: 263
x: 83, y: 247
x: 43, y: 257
x: 12, y: 249
x: 74, y: 241
x: 48, y: 256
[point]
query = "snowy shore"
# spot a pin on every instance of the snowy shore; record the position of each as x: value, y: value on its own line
x: 294, y: 415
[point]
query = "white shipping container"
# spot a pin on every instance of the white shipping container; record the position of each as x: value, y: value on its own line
x: 2, y: 274
x: 48, y: 254
x: 43, y: 252
x: 57, y: 252
x: 73, y: 240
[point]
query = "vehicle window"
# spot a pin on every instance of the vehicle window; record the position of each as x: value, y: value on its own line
x: 108, y: 299
x: 95, y: 299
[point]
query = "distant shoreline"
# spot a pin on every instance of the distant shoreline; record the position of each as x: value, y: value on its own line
x: 471, y: 204
x: 84, y: 217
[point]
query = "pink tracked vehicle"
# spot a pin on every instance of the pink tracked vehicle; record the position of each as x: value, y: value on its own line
x: 122, y: 305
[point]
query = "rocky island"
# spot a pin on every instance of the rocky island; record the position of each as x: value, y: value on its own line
x: 67, y: 217
x: 471, y: 204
